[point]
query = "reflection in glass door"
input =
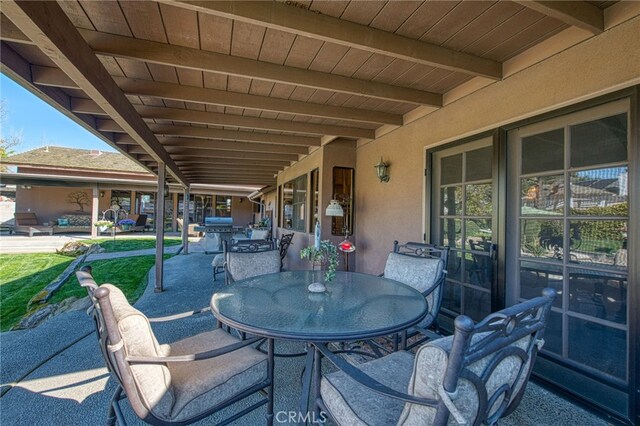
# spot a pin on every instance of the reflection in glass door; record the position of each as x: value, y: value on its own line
x: 569, y: 203
x: 463, y: 219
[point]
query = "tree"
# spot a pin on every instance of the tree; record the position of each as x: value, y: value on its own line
x: 7, y: 142
x: 80, y: 198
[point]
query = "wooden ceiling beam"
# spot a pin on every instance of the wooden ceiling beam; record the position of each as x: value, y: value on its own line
x: 9, y: 31
x: 203, y: 167
x: 202, y: 117
x: 237, y: 164
x: 185, y: 159
x: 204, y: 132
x: 216, y: 181
x: 108, y: 125
x: 575, y: 13
x: 296, y: 20
x: 222, y: 172
x: 232, y: 145
x: 187, y: 171
x: 202, y: 60
x: 46, y: 24
x: 86, y: 106
x: 218, y: 153
x: 48, y: 76
x: 55, y: 77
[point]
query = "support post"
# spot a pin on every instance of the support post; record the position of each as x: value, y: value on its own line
x: 94, y: 211
x: 159, y: 222
x: 174, y: 216
x: 185, y: 221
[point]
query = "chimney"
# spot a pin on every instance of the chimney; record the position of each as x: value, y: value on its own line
x: 95, y: 152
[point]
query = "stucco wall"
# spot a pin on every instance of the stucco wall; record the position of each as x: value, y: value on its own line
x: 50, y: 202
x: 395, y: 210
x: 340, y: 153
x: 241, y: 210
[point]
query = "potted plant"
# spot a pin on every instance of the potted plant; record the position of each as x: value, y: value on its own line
x: 126, y: 224
x: 103, y: 225
x: 324, y: 253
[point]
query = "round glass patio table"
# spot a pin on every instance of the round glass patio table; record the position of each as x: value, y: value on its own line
x: 355, y: 306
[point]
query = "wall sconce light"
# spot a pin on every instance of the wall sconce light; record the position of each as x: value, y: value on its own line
x: 334, y: 209
x: 382, y: 170
x: 101, y: 194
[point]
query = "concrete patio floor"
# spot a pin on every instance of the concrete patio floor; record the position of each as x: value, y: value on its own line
x: 55, y: 373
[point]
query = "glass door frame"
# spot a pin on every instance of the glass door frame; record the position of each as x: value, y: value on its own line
x: 498, y: 163
x: 500, y: 171
x: 633, y: 297
x: 565, y: 122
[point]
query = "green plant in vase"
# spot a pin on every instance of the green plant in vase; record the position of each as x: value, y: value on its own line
x: 325, y: 254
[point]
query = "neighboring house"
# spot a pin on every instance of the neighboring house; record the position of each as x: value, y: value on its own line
x: 56, y: 182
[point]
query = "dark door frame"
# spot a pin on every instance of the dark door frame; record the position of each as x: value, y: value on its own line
x: 498, y: 289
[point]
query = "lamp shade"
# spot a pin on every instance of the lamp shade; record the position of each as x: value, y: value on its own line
x: 382, y: 171
x: 347, y: 246
x: 334, y: 209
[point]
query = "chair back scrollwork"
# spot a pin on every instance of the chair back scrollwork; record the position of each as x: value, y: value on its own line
x: 285, y: 242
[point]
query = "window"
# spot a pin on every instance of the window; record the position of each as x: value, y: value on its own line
x: 343, y: 193
x: 315, y: 188
x: 294, y: 198
x: 122, y: 199
x: 223, y: 206
x: 203, y: 207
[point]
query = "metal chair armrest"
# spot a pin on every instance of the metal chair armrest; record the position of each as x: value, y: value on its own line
x: 367, y: 381
x: 192, y: 357
x: 179, y: 316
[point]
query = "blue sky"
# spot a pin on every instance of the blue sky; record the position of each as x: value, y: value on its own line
x: 40, y: 123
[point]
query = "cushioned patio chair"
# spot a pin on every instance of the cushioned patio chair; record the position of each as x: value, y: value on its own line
x: 476, y: 376
x: 178, y: 383
x: 244, y: 245
x: 250, y: 258
x: 423, y: 267
x: 28, y: 222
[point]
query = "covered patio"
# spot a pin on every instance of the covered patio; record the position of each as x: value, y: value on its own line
x: 57, y: 369
x: 453, y: 100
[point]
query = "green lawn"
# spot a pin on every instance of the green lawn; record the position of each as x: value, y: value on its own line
x: 24, y: 275
x: 126, y: 272
x: 127, y: 244
x: 21, y: 277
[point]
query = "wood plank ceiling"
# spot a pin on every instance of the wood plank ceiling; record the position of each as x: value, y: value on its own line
x: 234, y: 92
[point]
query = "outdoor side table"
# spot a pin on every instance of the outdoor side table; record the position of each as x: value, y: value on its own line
x: 354, y: 307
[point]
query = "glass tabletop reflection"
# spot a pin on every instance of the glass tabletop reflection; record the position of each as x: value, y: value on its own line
x: 355, y: 306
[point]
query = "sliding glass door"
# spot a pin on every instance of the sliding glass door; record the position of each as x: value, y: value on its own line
x: 554, y: 197
x: 463, y: 218
x: 569, y: 217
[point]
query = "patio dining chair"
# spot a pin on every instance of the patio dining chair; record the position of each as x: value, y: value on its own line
x: 181, y: 382
x: 476, y: 376
x: 423, y: 267
x: 250, y: 258
x: 283, y: 246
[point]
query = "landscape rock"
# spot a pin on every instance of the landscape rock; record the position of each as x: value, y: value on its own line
x: 36, y: 318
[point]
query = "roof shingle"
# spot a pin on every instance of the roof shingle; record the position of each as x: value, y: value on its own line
x: 72, y: 158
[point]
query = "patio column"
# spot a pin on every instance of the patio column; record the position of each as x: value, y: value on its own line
x: 159, y: 222
x: 185, y: 221
x: 174, y: 217
x: 95, y: 210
